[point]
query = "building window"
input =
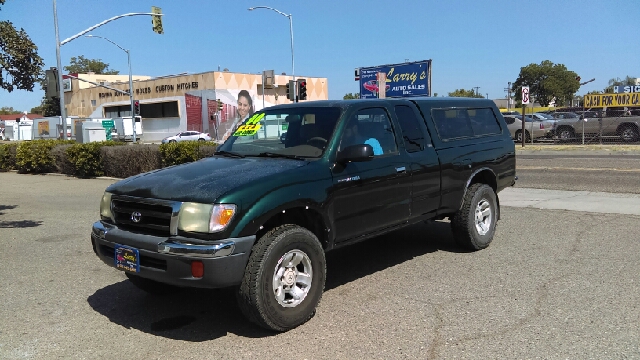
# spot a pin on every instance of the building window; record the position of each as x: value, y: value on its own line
x: 93, y: 103
x: 156, y: 110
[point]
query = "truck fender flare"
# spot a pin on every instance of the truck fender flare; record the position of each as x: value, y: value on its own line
x: 471, y: 177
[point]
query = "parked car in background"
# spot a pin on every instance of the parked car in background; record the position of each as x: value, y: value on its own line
x: 187, y: 136
x: 510, y: 113
x: 533, y: 127
x: 570, y: 126
x: 548, y: 121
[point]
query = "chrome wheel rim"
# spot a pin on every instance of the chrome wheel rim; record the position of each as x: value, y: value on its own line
x: 483, y: 217
x: 292, y: 278
x: 628, y: 134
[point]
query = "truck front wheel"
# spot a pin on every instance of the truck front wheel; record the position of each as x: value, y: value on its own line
x: 284, y: 279
x: 474, y: 224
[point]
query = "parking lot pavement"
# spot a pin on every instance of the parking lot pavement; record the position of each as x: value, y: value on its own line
x: 553, y: 284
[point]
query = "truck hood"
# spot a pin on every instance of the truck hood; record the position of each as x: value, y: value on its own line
x: 202, y: 181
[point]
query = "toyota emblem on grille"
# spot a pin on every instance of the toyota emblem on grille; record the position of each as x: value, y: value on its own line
x: 136, y: 217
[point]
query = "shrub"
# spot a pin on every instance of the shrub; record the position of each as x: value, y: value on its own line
x: 63, y: 165
x: 125, y: 161
x: 8, y: 156
x: 86, y: 158
x: 35, y: 156
x: 184, y: 152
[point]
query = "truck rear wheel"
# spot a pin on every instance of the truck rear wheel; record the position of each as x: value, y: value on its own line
x: 284, y: 279
x: 474, y: 224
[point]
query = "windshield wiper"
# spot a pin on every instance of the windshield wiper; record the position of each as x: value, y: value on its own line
x: 278, y: 155
x: 228, y: 154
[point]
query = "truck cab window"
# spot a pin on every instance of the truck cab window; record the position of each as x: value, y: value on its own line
x: 412, y: 134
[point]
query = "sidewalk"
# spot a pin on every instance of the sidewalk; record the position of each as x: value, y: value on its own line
x: 587, y: 201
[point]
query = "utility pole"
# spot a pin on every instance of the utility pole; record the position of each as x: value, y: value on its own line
x: 477, y: 87
x: 508, y: 90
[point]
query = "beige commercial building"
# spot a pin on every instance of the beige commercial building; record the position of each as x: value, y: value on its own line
x: 186, y: 102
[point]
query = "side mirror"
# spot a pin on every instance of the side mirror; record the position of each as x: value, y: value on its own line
x: 355, y: 153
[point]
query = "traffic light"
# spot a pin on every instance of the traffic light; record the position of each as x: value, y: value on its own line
x: 290, y: 95
x: 302, y: 89
x: 156, y: 20
x: 219, y: 105
x: 136, y: 108
x: 51, y: 88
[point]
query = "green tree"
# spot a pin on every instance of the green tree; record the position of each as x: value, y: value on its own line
x: 547, y: 82
x: 6, y: 110
x: 37, y: 110
x: 351, y: 96
x: 465, y: 93
x: 51, y: 107
x: 20, y: 65
x: 618, y: 82
x: 82, y: 65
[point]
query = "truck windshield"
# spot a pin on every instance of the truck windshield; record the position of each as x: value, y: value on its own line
x: 302, y: 132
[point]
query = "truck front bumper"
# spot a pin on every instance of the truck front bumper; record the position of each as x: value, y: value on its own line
x: 169, y: 259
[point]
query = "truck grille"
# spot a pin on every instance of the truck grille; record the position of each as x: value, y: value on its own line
x: 148, y: 216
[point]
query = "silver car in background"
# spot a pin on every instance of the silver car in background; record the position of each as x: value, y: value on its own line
x: 533, y: 127
x: 187, y: 136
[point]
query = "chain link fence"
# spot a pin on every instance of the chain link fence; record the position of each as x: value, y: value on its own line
x: 577, y: 125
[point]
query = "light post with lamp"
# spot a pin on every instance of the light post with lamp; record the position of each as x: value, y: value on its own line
x: 133, y: 115
x: 293, y: 71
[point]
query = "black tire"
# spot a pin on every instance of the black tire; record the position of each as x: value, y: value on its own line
x: 151, y: 286
x: 566, y: 134
x: 629, y: 133
x: 256, y: 295
x: 172, y: 141
x: 464, y: 224
x: 519, y: 136
x: 200, y: 139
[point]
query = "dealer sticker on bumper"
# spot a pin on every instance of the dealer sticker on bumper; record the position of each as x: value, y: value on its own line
x: 127, y: 258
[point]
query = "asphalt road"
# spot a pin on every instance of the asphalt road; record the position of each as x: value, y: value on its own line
x: 594, y: 172
x: 554, y: 284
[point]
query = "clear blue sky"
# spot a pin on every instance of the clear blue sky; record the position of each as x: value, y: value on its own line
x: 472, y: 43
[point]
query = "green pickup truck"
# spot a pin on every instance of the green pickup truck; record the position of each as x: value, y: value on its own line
x: 261, y: 213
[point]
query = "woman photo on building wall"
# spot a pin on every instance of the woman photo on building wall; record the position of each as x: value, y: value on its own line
x: 245, y: 110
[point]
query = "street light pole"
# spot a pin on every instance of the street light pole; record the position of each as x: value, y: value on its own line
x: 293, y: 68
x: 63, y: 111
x: 133, y: 118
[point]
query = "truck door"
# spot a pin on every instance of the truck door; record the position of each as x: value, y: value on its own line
x: 373, y: 195
x: 424, y: 165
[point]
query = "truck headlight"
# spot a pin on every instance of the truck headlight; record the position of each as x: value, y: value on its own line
x: 105, y: 207
x: 205, y: 218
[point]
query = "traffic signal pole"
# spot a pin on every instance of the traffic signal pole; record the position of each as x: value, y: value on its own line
x: 63, y: 113
x: 133, y: 113
x: 63, y: 110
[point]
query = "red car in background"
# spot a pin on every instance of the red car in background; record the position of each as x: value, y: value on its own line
x: 372, y: 85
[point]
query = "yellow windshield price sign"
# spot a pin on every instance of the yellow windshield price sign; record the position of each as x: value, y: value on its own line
x: 255, y: 119
x: 246, y: 130
x: 251, y: 127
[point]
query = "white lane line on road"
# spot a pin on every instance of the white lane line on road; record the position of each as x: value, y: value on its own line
x: 587, y: 201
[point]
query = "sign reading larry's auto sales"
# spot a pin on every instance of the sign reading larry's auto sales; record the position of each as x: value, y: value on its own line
x: 403, y: 80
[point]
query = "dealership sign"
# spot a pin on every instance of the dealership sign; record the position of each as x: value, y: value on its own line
x: 402, y: 80
x: 627, y: 89
x: 611, y: 100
